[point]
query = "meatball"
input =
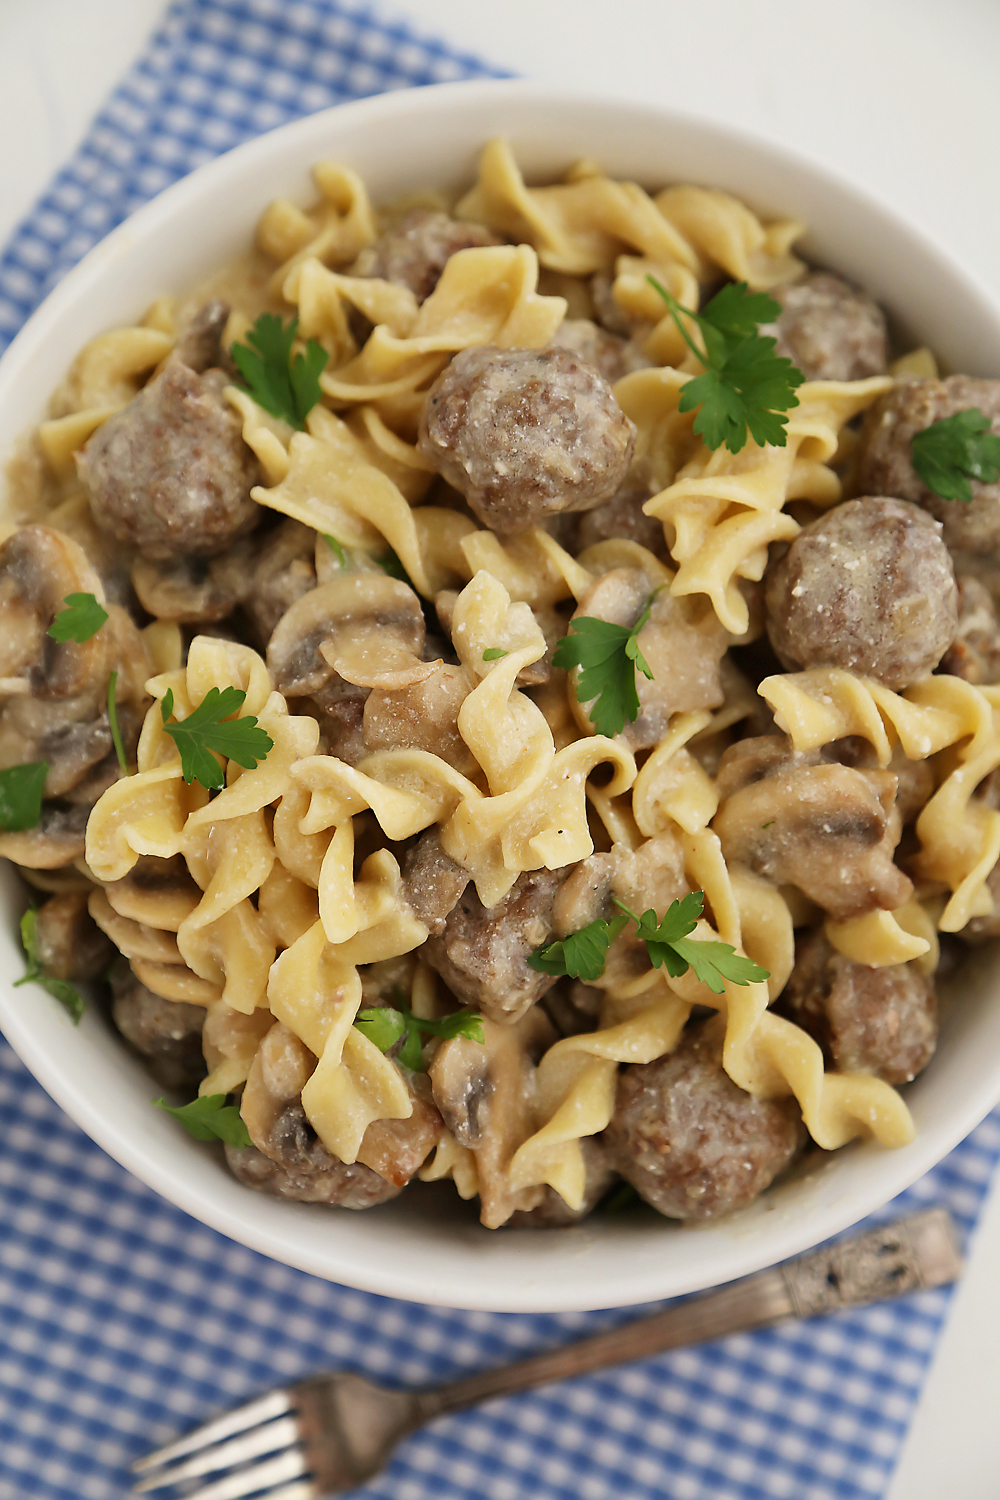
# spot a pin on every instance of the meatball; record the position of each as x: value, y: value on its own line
x: 69, y: 943
x: 622, y: 515
x: 610, y: 355
x: 432, y: 881
x: 830, y: 330
x: 884, y: 466
x: 482, y: 954
x: 304, y: 1170
x: 881, y: 1021
x: 166, y: 1033
x: 869, y: 587
x: 414, y: 252
x: 525, y: 434
x: 170, y: 474
x: 690, y: 1142
x: 974, y: 654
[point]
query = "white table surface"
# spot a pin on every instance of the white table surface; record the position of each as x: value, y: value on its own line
x: 901, y: 94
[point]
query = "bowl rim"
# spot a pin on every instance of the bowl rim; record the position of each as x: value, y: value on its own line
x: 391, y: 1278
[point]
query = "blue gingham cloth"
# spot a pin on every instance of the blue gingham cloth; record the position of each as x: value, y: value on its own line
x: 121, y: 1320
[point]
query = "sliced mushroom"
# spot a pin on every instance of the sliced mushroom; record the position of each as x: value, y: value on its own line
x: 199, y: 345
x: 59, y: 838
x: 195, y: 590
x: 422, y: 716
x: 367, y: 628
x: 69, y: 943
x: 39, y: 567
x: 432, y: 881
x: 283, y: 569
x: 828, y: 829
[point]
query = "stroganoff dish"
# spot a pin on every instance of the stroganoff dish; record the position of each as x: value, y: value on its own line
x: 505, y: 690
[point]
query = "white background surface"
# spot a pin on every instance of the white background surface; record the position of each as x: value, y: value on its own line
x: 900, y: 94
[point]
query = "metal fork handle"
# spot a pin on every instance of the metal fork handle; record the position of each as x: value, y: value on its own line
x: 913, y: 1254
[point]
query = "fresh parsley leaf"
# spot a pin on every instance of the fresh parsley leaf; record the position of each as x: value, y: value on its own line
x: 608, y: 657
x: 949, y: 454
x: 21, y: 795
x: 670, y: 947
x: 67, y: 994
x: 82, y: 619
x: 385, y: 1024
x: 116, y: 734
x: 209, y: 731
x: 336, y: 549
x: 745, y: 385
x: 493, y: 653
x: 581, y: 955
x: 210, y: 1118
x: 287, y: 387
x: 390, y: 563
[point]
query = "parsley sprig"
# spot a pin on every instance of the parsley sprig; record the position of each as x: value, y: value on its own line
x: 67, y: 994
x: 286, y: 386
x: 209, y: 730
x: 210, y: 1118
x: 385, y: 1024
x: 81, y: 619
x: 582, y: 955
x: 608, y: 657
x: 948, y: 455
x: 21, y: 795
x: 745, y: 385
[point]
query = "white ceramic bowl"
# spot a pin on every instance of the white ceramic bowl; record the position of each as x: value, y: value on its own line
x: 423, y: 1246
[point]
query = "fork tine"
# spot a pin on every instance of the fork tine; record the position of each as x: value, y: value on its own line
x: 258, y: 1479
x: 262, y: 1409
x: 283, y: 1433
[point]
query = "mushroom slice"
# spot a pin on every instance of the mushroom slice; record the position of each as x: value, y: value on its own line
x: 422, y: 716
x: 39, y: 567
x: 68, y: 941
x: 194, y: 590
x: 59, y: 838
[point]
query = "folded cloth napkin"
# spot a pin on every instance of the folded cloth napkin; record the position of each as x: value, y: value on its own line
x: 122, y: 1321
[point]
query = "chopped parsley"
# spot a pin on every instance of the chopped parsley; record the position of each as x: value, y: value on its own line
x: 582, y: 955
x: 209, y: 730
x: 21, y: 795
x: 116, y: 734
x: 745, y: 386
x: 81, y: 619
x: 948, y: 455
x: 286, y: 386
x: 210, y: 1118
x: 336, y: 549
x: 493, y: 653
x: 608, y: 657
x: 67, y: 994
x: 385, y: 1025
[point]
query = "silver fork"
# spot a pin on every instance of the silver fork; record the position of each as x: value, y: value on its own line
x: 332, y: 1433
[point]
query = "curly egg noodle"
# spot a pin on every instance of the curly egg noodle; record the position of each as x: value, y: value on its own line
x: 293, y: 896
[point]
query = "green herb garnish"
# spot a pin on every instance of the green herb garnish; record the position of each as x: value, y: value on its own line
x: 667, y: 943
x: 21, y: 795
x: 287, y: 387
x: 67, y: 994
x: 745, y: 385
x: 949, y: 454
x: 210, y: 1118
x: 493, y: 653
x: 385, y: 1024
x: 82, y: 618
x: 116, y: 734
x: 336, y: 549
x: 209, y: 731
x: 608, y: 657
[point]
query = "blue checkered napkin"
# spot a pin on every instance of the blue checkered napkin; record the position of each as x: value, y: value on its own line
x: 121, y: 1320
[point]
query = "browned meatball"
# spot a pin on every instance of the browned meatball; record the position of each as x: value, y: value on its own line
x: 304, y: 1170
x: 830, y: 330
x: 869, y: 587
x: 282, y: 570
x: 622, y: 515
x: 884, y: 459
x: 525, y: 433
x: 432, y: 881
x: 974, y: 654
x: 415, y: 251
x: 167, y: 1033
x: 69, y: 942
x: 689, y: 1141
x: 170, y: 474
x: 199, y: 345
x: 482, y: 955
x: 881, y: 1021
x: 610, y: 355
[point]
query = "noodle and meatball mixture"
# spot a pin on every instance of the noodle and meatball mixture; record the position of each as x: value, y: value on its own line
x: 446, y: 750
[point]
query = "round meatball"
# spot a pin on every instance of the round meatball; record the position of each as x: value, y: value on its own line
x: 525, y: 434
x: 689, y: 1141
x: 304, y: 1170
x: 881, y: 1021
x: 829, y: 330
x: 170, y: 474
x: 623, y: 515
x: 869, y: 587
x: 884, y: 459
x: 612, y: 356
x: 414, y: 252
x: 167, y: 1033
x: 974, y: 654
